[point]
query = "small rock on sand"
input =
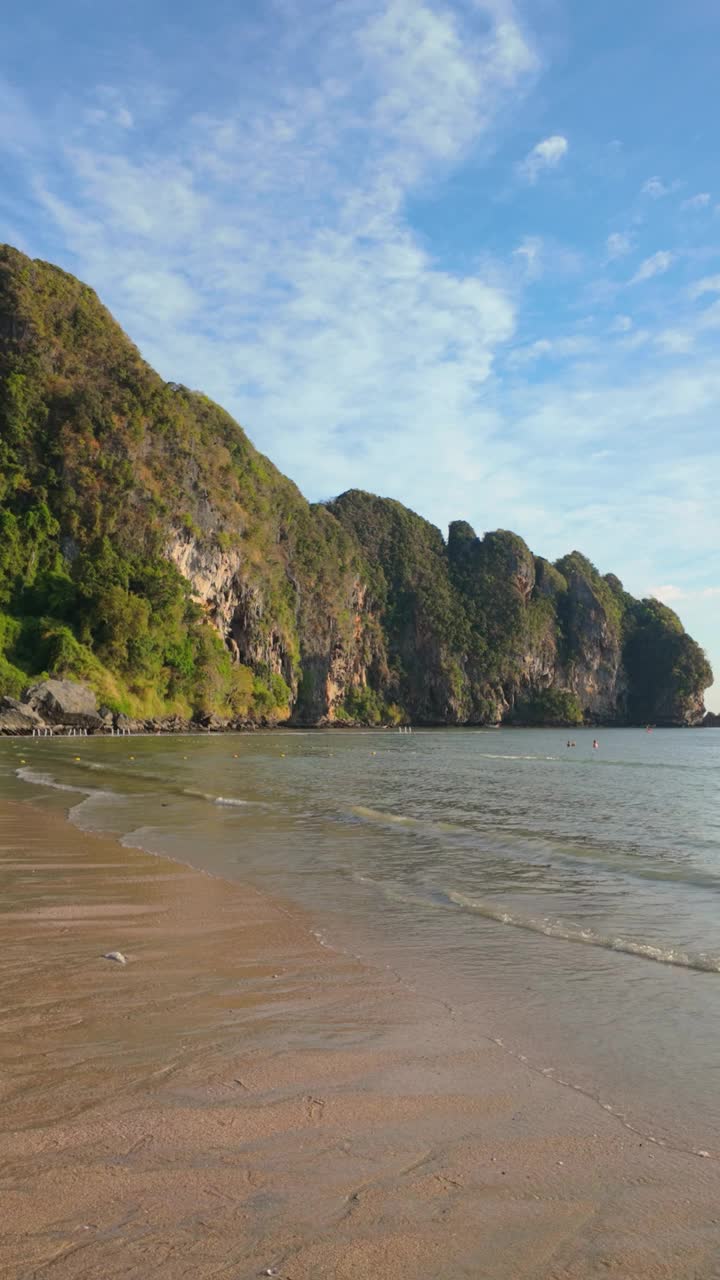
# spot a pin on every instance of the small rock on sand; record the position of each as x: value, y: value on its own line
x: 115, y: 955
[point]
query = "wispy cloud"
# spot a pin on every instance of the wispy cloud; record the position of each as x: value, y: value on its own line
x: 675, y: 342
x: 669, y: 593
x: 700, y: 201
x: 562, y: 348
x: 656, y: 188
x: 618, y: 244
x: 530, y: 253
x: 709, y: 284
x: 265, y: 255
x: 656, y: 265
x: 544, y: 155
x: 109, y: 108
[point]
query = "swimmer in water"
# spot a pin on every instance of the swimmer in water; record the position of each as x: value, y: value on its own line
x: 596, y: 744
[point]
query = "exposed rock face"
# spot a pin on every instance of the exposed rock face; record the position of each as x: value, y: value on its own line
x: 673, y: 709
x: 594, y: 671
x: 233, y: 605
x: 63, y: 702
x: 17, y: 718
x: 332, y: 655
x: 340, y: 659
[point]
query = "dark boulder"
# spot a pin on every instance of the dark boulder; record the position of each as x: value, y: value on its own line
x: 64, y: 702
x: 167, y: 724
x: 16, y: 718
x: 126, y: 724
x: 211, y: 723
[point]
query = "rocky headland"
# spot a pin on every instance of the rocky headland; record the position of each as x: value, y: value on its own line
x: 150, y: 554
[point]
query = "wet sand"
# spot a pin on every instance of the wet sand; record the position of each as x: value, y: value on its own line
x: 238, y: 1099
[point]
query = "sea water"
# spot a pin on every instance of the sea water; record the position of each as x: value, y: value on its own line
x: 563, y: 899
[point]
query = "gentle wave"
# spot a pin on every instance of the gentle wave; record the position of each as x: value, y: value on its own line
x: 377, y: 815
x: 573, y: 933
x: 595, y: 760
x: 494, y: 755
x: 394, y: 891
x: 77, y: 814
x: 231, y: 801
x: 520, y: 846
x: 145, y: 775
x: 46, y: 780
x: 138, y: 838
x: 384, y: 818
x: 148, y: 776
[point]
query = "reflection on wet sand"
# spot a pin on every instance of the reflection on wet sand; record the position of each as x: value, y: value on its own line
x: 238, y: 1098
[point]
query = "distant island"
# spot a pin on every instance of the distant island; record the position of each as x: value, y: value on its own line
x: 148, y: 551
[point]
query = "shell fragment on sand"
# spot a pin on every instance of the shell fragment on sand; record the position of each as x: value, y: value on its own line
x: 117, y: 956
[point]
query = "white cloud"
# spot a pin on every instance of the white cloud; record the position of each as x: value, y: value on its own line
x: 656, y: 265
x: 551, y: 348
x: 618, y: 244
x: 158, y: 199
x: 635, y: 339
x: 675, y: 342
x: 709, y: 319
x: 544, y: 155
x: 529, y: 252
x: 410, y: 46
x: 100, y: 116
x: 264, y: 255
x: 700, y: 201
x: 655, y: 188
x: 709, y: 284
x: 110, y: 109
x: 669, y: 593
x: 621, y: 324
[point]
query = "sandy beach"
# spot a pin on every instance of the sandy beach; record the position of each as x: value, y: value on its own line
x: 238, y: 1099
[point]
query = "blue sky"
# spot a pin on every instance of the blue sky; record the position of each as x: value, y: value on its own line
x: 465, y: 254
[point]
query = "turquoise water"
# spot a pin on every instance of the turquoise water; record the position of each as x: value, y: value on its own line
x: 566, y: 900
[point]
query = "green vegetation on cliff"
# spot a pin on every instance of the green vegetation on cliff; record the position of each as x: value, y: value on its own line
x: 423, y: 624
x: 147, y: 548
x: 549, y: 706
x: 103, y: 467
x: 666, y: 667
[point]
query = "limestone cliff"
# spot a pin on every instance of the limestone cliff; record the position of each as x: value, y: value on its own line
x: 479, y: 630
x: 148, y: 549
